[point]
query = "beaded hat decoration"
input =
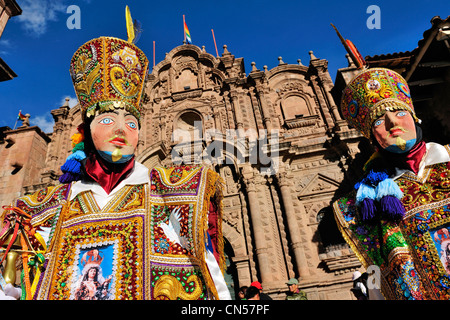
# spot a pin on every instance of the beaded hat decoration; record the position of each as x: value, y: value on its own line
x: 109, y: 73
x: 370, y: 94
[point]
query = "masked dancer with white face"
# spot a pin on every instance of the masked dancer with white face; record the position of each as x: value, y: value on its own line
x: 145, y: 231
x: 397, y: 216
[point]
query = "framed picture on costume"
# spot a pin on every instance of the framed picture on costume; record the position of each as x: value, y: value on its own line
x: 93, y: 273
x: 441, y: 240
x: 432, y: 240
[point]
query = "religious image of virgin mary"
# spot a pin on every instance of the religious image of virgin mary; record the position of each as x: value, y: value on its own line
x: 92, y: 285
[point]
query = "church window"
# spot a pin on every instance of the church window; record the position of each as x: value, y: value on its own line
x: 294, y: 107
x: 186, y: 80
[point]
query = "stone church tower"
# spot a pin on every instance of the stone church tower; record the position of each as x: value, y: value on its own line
x: 277, y: 139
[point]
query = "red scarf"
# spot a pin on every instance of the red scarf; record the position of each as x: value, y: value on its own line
x: 414, y: 157
x: 107, y: 175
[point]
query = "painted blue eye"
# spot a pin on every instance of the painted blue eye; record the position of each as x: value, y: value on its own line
x: 106, y: 121
x: 401, y: 114
x: 132, y: 125
x: 378, y: 122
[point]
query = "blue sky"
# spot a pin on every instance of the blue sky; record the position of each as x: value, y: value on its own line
x: 38, y: 45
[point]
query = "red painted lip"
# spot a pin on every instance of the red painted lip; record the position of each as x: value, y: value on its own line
x: 118, y: 141
x: 395, y: 132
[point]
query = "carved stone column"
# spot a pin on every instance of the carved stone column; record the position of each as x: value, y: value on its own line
x: 237, y: 109
x: 228, y: 110
x: 293, y: 229
x: 243, y: 270
x: 264, y: 107
x: 258, y: 230
x: 327, y: 85
x: 322, y: 103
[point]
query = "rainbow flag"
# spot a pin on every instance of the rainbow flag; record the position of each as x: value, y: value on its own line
x: 21, y: 117
x: 186, y: 33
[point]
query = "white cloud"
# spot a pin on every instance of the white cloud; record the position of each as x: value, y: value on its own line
x: 4, y: 44
x: 73, y: 101
x: 44, y: 122
x: 37, y: 13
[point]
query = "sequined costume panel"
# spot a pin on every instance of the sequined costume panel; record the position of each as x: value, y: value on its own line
x: 147, y: 242
x: 414, y: 254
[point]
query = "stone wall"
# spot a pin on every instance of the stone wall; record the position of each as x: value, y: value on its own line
x: 22, y: 155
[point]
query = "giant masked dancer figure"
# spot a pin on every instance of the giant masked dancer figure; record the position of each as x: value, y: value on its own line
x: 113, y: 229
x: 397, y: 217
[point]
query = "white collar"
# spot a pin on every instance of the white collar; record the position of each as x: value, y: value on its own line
x: 138, y: 175
x: 435, y: 153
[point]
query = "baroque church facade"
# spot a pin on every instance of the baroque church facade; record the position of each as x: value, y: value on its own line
x: 198, y: 108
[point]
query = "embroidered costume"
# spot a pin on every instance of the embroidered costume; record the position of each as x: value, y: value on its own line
x: 397, y: 217
x: 125, y: 237
x: 114, y: 229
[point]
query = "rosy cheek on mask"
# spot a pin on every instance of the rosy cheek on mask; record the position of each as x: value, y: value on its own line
x: 99, y: 137
x: 380, y: 139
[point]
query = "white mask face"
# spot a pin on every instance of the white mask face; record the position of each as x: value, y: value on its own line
x: 115, y: 135
x: 395, y: 131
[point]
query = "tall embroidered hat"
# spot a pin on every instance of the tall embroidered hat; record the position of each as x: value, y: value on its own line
x: 370, y: 94
x: 109, y: 73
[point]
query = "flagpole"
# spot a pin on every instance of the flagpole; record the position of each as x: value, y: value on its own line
x: 153, y: 54
x: 184, y: 30
x: 215, y: 45
x: 15, y: 124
